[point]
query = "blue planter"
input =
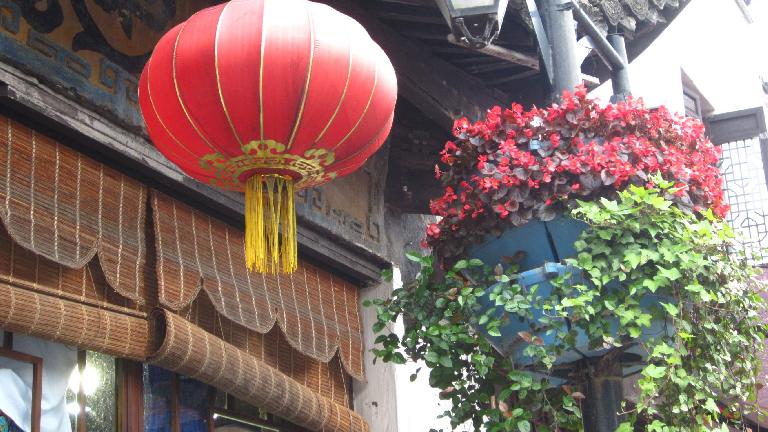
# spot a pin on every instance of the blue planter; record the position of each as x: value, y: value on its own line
x: 545, y: 245
x: 542, y: 242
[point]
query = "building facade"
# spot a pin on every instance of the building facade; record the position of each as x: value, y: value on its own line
x: 124, y: 303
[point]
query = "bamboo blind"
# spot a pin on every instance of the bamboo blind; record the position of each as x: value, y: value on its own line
x: 68, y: 208
x: 59, y: 210
x: 186, y: 348
x: 317, y: 312
x: 327, y: 379
x: 71, y: 323
x: 23, y: 268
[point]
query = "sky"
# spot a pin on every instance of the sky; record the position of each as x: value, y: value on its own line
x: 759, y: 11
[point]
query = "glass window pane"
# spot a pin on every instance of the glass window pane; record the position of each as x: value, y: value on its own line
x: 194, y: 400
x: 99, y: 387
x: 100, y: 393
x: 157, y: 397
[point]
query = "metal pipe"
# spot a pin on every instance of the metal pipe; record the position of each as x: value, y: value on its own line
x: 562, y: 36
x: 620, y: 76
x: 613, y: 58
x: 603, y: 402
x: 541, y: 38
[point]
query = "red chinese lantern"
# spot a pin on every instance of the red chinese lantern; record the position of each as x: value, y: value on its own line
x: 265, y: 97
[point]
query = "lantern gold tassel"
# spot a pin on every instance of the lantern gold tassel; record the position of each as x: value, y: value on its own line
x: 270, y: 225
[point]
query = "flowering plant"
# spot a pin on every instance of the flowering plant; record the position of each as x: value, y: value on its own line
x: 516, y: 165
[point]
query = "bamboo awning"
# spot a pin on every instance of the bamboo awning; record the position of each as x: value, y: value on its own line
x: 68, y: 208
x: 186, y: 348
x: 76, y: 267
x: 317, y: 312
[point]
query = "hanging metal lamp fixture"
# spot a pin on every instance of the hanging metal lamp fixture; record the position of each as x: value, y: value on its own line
x: 474, y: 23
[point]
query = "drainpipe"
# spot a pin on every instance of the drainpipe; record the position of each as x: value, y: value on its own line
x: 604, y: 392
x: 620, y: 76
x: 602, y: 376
x: 561, y: 32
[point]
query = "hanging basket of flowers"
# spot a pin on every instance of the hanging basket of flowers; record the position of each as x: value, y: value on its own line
x: 510, y: 180
x: 579, y: 241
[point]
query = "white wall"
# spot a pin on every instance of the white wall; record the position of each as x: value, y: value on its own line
x: 719, y: 50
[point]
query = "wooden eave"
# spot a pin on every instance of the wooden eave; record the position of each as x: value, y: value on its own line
x: 440, y: 81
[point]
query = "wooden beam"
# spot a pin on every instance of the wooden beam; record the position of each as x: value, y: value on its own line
x: 425, y: 3
x: 482, y: 68
x: 425, y: 34
x: 410, y: 18
x: 506, y: 54
x: 439, y: 89
x: 483, y: 59
x: 513, y: 77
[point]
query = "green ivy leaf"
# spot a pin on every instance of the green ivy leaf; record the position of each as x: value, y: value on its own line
x: 414, y: 256
x: 524, y: 426
x: 670, y: 308
x: 711, y: 406
x: 654, y: 371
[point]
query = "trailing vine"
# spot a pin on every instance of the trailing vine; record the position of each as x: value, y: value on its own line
x: 698, y: 372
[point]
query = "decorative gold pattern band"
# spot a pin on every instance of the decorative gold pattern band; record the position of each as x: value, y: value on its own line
x: 266, y: 156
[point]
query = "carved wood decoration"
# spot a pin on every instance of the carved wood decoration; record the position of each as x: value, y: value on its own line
x: 317, y: 312
x: 68, y: 208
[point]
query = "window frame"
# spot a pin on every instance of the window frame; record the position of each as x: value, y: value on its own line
x: 6, y: 350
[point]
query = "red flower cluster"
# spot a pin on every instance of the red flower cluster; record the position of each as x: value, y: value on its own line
x: 515, y: 164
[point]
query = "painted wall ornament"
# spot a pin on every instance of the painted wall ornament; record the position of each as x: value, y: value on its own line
x: 265, y: 97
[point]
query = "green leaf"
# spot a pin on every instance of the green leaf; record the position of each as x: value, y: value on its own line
x: 413, y: 256
x: 432, y: 357
x: 670, y: 308
x: 386, y: 275
x: 446, y: 361
x: 671, y: 274
x: 524, y: 426
x: 611, y: 206
x: 461, y: 264
x: 711, y: 406
x: 625, y: 427
x: 654, y: 371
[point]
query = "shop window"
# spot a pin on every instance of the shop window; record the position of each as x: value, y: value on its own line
x: 33, y: 379
x: 21, y: 380
x: 50, y: 387
x: 92, y: 393
x: 176, y: 403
